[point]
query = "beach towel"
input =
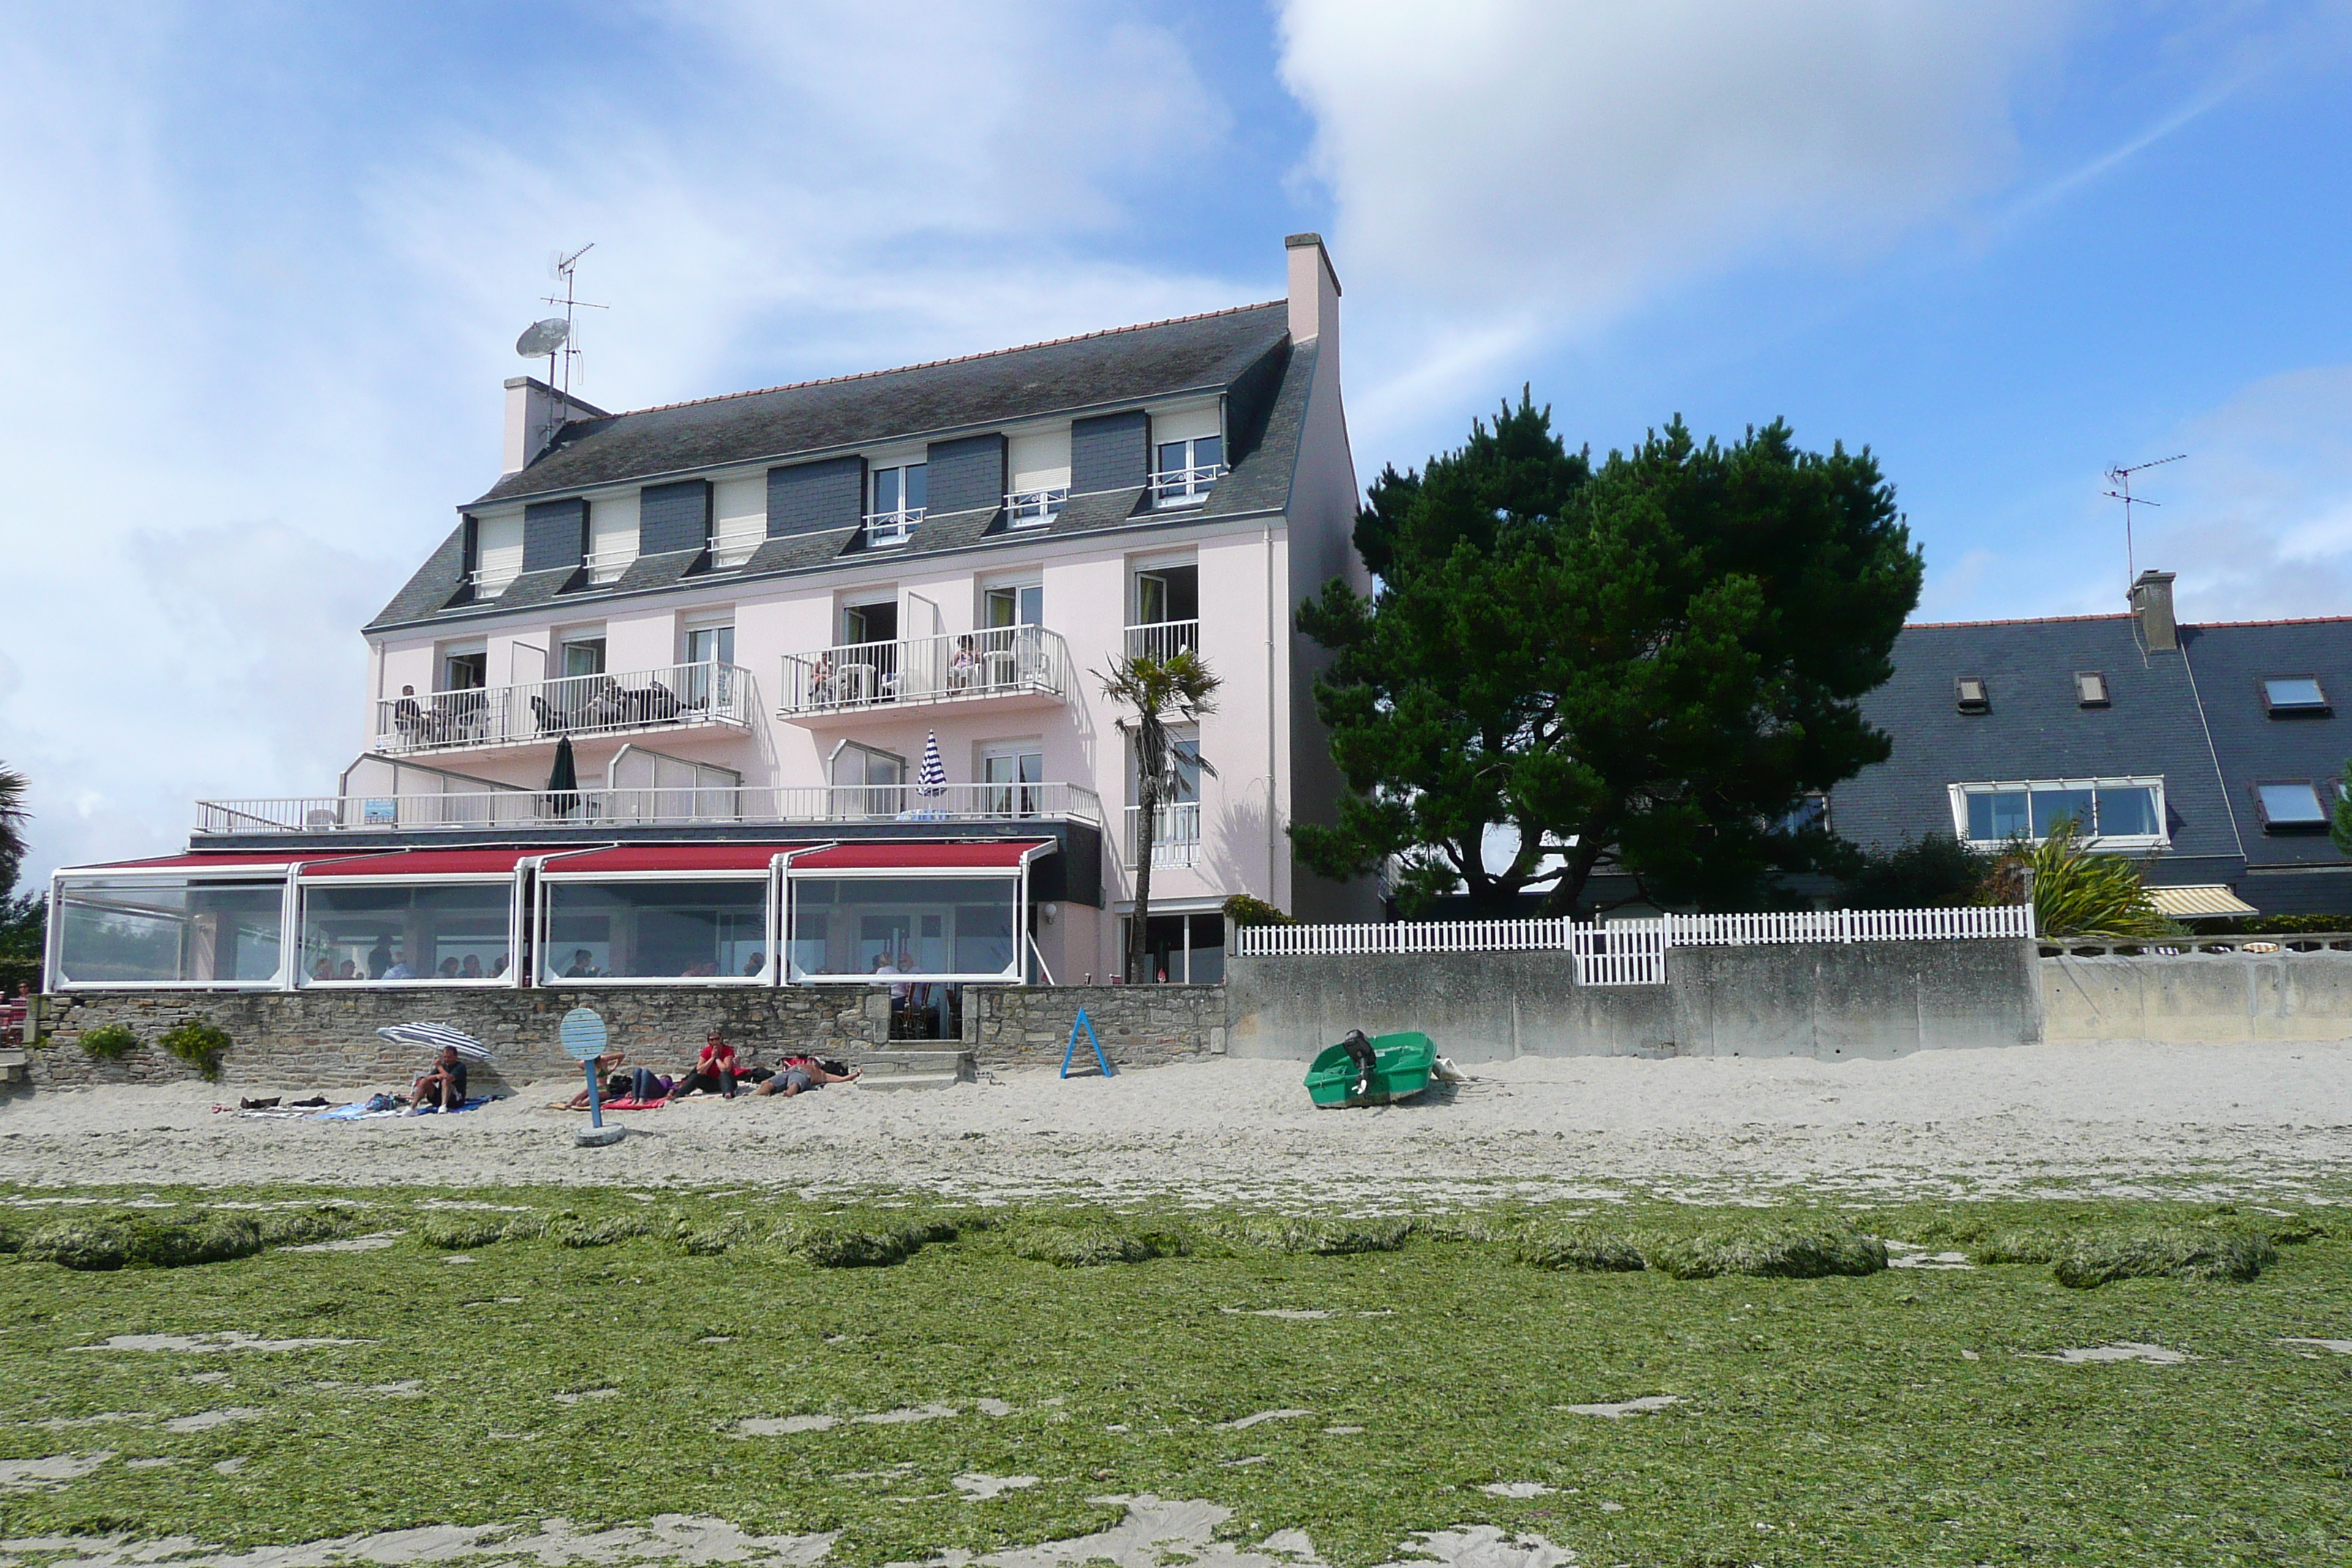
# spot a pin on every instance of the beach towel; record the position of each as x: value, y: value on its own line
x: 382, y: 1105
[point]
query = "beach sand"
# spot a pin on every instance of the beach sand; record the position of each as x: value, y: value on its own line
x: 2111, y: 1117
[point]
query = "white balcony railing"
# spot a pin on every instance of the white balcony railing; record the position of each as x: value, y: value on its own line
x: 886, y: 528
x: 954, y: 666
x: 1175, y: 835
x: 1033, y: 509
x: 675, y: 806
x: 1163, y: 639
x: 1186, y: 487
x: 606, y: 566
x: 490, y: 583
x: 680, y: 696
x: 736, y: 546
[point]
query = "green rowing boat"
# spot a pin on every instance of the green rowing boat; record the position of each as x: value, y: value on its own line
x: 1401, y: 1067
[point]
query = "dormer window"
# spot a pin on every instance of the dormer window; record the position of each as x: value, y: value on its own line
x: 1971, y: 695
x: 1188, y: 456
x: 1037, y: 464
x: 2090, y: 689
x: 895, y: 500
x: 2294, y: 697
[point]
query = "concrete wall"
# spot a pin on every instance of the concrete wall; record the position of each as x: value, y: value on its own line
x: 2201, y: 998
x: 1824, y: 1000
x: 315, y: 1039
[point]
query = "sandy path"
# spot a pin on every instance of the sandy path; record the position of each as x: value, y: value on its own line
x: 2238, y: 1119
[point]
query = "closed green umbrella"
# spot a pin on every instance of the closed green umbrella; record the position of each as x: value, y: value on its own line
x: 563, y: 781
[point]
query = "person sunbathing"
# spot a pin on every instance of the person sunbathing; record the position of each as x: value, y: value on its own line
x: 798, y: 1074
x: 608, y: 1072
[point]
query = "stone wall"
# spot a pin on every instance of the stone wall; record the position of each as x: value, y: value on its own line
x: 1138, y: 1026
x: 329, y: 1040
x: 2201, y: 998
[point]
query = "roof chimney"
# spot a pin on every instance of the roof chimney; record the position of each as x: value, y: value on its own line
x: 535, y: 412
x: 2151, y: 601
x: 1314, y: 297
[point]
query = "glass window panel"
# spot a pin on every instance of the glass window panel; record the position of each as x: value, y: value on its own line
x: 655, y: 931
x: 1208, y: 949
x: 1033, y: 604
x: 2295, y: 803
x: 451, y: 931
x: 919, y: 485
x: 2298, y: 692
x: 1208, y: 450
x: 168, y: 931
x: 855, y: 927
x: 885, y: 490
x: 2051, y: 804
x: 1172, y: 456
x: 2127, y: 811
x: 1996, y: 815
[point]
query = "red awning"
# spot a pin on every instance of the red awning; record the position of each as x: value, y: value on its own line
x: 428, y: 863
x: 277, y: 860
x: 670, y: 858
x: 1004, y: 854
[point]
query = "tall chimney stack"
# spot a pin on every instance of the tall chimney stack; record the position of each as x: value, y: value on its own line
x: 2151, y: 601
x: 1315, y: 301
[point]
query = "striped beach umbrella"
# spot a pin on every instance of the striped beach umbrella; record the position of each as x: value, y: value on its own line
x: 432, y: 1036
x: 931, y: 778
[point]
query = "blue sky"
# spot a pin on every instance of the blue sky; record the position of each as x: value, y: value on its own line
x: 261, y: 267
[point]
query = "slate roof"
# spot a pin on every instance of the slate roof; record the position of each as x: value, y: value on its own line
x: 2231, y: 662
x: 2037, y: 730
x: 1245, y: 352
x: 1099, y: 370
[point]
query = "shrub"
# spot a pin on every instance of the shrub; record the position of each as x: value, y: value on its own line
x: 201, y: 1044
x: 109, y: 1042
x: 1241, y: 910
x: 462, y: 1232
x: 1937, y: 872
x: 95, y: 1243
x: 2078, y: 892
x: 1770, y: 1255
x: 2173, y: 1253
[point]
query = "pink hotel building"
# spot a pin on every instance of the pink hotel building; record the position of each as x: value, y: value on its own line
x: 752, y: 617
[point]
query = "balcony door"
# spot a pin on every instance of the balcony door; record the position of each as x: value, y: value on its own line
x: 868, y: 781
x: 1167, y: 618
x: 710, y: 655
x: 1010, y: 770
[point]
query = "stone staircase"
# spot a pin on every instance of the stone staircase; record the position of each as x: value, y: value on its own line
x: 913, y: 1070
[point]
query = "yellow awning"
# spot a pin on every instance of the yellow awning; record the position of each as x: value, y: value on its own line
x: 2200, y: 901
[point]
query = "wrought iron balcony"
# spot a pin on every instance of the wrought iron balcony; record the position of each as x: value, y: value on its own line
x: 677, y: 696
x: 1006, y: 666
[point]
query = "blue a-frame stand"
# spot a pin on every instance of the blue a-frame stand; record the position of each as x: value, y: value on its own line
x: 1083, y: 1022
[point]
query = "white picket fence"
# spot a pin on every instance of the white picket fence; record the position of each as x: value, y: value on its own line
x: 1633, y: 952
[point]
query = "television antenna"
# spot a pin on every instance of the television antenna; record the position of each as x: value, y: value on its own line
x: 557, y: 337
x: 2121, y: 478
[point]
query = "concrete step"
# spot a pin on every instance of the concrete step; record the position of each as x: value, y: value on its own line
x: 913, y: 1069
x: 14, y: 1067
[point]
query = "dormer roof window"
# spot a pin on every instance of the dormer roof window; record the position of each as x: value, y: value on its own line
x: 895, y: 498
x: 2294, y: 697
x: 1971, y: 695
x: 2091, y: 689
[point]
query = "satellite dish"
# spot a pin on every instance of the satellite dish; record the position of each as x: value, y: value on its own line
x: 543, y: 337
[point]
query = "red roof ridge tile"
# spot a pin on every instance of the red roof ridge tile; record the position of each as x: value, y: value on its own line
x: 953, y: 358
x: 2014, y: 621
x: 2281, y: 621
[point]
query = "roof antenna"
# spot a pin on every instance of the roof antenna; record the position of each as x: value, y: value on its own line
x: 2121, y: 479
x: 556, y: 336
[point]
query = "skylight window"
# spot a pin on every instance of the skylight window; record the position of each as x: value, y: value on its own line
x: 1971, y: 695
x: 2294, y: 695
x: 2291, y: 806
x: 2090, y: 689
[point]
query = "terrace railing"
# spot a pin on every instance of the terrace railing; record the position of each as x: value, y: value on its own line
x: 1186, y: 487
x: 675, y: 696
x: 1633, y: 951
x: 1033, y: 509
x: 1163, y: 639
x: 955, y: 666
x: 811, y: 806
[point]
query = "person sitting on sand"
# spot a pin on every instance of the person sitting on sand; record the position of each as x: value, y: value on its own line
x: 445, y: 1086
x: 608, y: 1074
x: 798, y: 1074
x: 714, y: 1071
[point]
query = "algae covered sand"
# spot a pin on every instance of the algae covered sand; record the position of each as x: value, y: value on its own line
x: 905, y: 1379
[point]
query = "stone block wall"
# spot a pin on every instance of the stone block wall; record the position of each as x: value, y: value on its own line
x: 1138, y: 1026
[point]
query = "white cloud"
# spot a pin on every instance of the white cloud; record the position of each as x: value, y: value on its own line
x: 1520, y: 169
x: 261, y: 303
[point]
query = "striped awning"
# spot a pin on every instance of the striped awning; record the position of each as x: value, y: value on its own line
x: 2198, y: 901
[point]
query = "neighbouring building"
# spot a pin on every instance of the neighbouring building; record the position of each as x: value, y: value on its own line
x: 825, y: 662
x: 2214, y: 749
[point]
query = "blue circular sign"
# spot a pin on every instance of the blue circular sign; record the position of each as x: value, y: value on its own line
x: 583, y: 1034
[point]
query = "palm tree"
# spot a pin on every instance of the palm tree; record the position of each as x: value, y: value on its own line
x: 12, y: 817
x: 1156, y: 690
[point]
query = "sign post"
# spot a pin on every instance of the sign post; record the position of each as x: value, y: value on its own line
x: 1083, y: 1022
x: 582, y: 1033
